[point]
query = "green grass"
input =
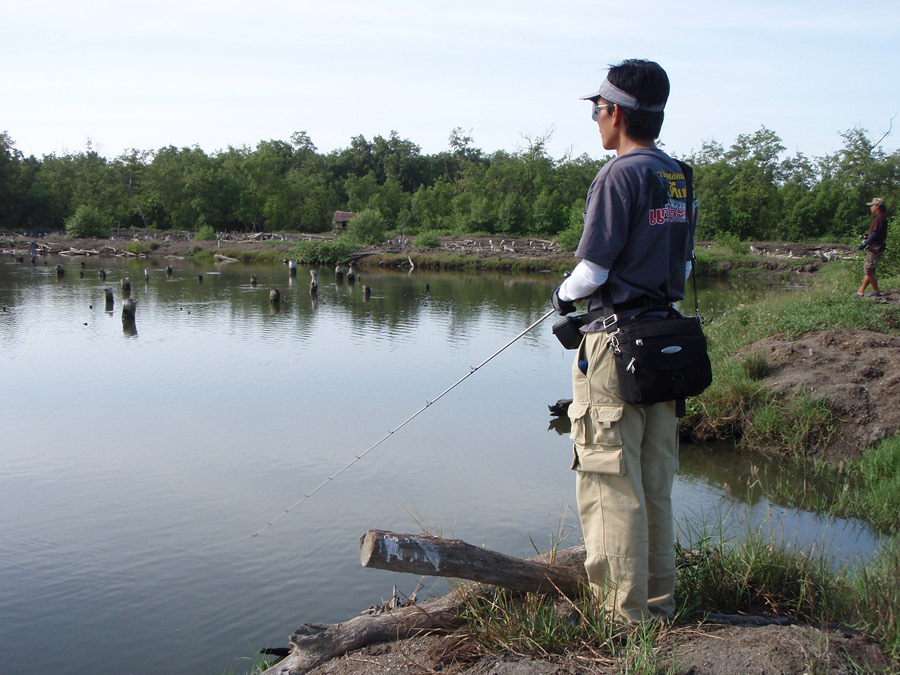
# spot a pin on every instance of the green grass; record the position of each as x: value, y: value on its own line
x: 877, y: 594
x: 751, y: 575
x: 873, y: 487
x: 738, y: 405
x: 757, y: 576
x: 541, y: 625
x: 257, y: 257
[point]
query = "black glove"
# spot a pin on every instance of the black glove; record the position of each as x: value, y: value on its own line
x: 562, y: 307
x: 862, y: 246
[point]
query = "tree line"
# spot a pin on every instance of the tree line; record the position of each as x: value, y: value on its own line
x: 749, y: 190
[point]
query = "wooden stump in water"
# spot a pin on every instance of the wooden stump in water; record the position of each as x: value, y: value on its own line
x: 129, y: 307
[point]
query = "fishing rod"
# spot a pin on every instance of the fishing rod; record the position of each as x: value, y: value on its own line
x: 428, y: 404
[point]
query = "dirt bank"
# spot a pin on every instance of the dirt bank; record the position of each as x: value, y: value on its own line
x: 709, y: 650
x: 856, y: 373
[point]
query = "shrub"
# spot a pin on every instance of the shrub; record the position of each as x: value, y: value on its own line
x: 319, y: 252
x: 568, y: 239
x: 206, y: 233
x: 428, y: 239
x: 367, y: 228
x: 134, y: 247
x: 87, y: 222
x: 732, y: 243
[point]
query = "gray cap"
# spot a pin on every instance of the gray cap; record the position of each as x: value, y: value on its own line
x: 878, y: 201
x: 610, y: 92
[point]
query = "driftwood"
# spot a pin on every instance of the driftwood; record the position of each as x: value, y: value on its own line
x: 432, y: 556
x: 80, y: 251
x: 225, y: 258
x: 313, y: 644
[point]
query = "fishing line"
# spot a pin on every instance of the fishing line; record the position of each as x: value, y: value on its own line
x: 428, y: 404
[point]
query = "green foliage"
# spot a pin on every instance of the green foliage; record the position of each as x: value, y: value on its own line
x: 87, y: 222
x: 568, y: 239
x: 890, y: 262
x: 367, y: 228
x: 206, y: 233
x: 754, y: 575
x: 875, y: 586
x: 427, y: 240
x: 791, y: 426
x: 747, y: 190
x: 322, y: 252
x: 874, y: 486
x: 732, y: 243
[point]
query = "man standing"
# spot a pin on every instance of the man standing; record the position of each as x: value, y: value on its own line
x: 875, y: 242
x: 637, y: 246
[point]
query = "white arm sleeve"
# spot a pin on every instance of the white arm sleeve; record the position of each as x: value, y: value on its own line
x: 584, y: 280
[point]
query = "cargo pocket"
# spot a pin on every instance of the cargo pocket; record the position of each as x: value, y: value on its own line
x: 597, y: 438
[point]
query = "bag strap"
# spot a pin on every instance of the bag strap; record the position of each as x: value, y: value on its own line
x: 692, y: 226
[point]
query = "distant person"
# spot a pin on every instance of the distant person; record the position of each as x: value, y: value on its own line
x: 874, y: 244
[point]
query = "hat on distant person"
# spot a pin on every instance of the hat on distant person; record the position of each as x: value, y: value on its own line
x: 878, y: 201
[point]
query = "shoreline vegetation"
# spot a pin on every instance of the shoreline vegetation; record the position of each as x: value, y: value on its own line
x: 753, y: 576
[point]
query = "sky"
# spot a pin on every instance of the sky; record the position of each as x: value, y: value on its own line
x: 116, y: 76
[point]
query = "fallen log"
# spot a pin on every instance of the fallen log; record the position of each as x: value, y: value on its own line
x: 225, y: 258
x: 313, y: 644
x: 433, y: 556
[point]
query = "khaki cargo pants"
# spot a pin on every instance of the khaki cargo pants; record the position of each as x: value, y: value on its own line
x: 625, y: 463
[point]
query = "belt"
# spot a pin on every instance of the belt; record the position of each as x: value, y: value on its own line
x: 628, y: 307
x: 641, y: 302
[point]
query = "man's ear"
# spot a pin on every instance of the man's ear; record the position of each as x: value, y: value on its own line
x: 618, y: 116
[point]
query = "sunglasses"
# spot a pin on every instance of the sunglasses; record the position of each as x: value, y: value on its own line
x: 596, y: 108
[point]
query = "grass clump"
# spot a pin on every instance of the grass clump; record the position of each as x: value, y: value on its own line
x: 793, y: 426
x: 542, y: 626
x: 873, y: 486
x: 758, y: 577
x: 877, y: 609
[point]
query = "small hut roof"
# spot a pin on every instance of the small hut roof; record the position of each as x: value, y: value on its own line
x: 342, y: 216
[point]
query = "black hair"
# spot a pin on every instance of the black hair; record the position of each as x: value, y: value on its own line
x: 649, y: 84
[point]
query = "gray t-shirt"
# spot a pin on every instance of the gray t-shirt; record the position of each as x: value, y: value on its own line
x: 635, y: 226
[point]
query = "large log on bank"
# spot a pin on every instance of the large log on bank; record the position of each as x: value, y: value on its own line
x: 313, y: 644
x: 433, y: 556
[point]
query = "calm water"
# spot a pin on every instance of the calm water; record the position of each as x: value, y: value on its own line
x: 137, y: 465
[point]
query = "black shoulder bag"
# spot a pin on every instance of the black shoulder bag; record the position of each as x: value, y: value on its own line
x: 661, y: 355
